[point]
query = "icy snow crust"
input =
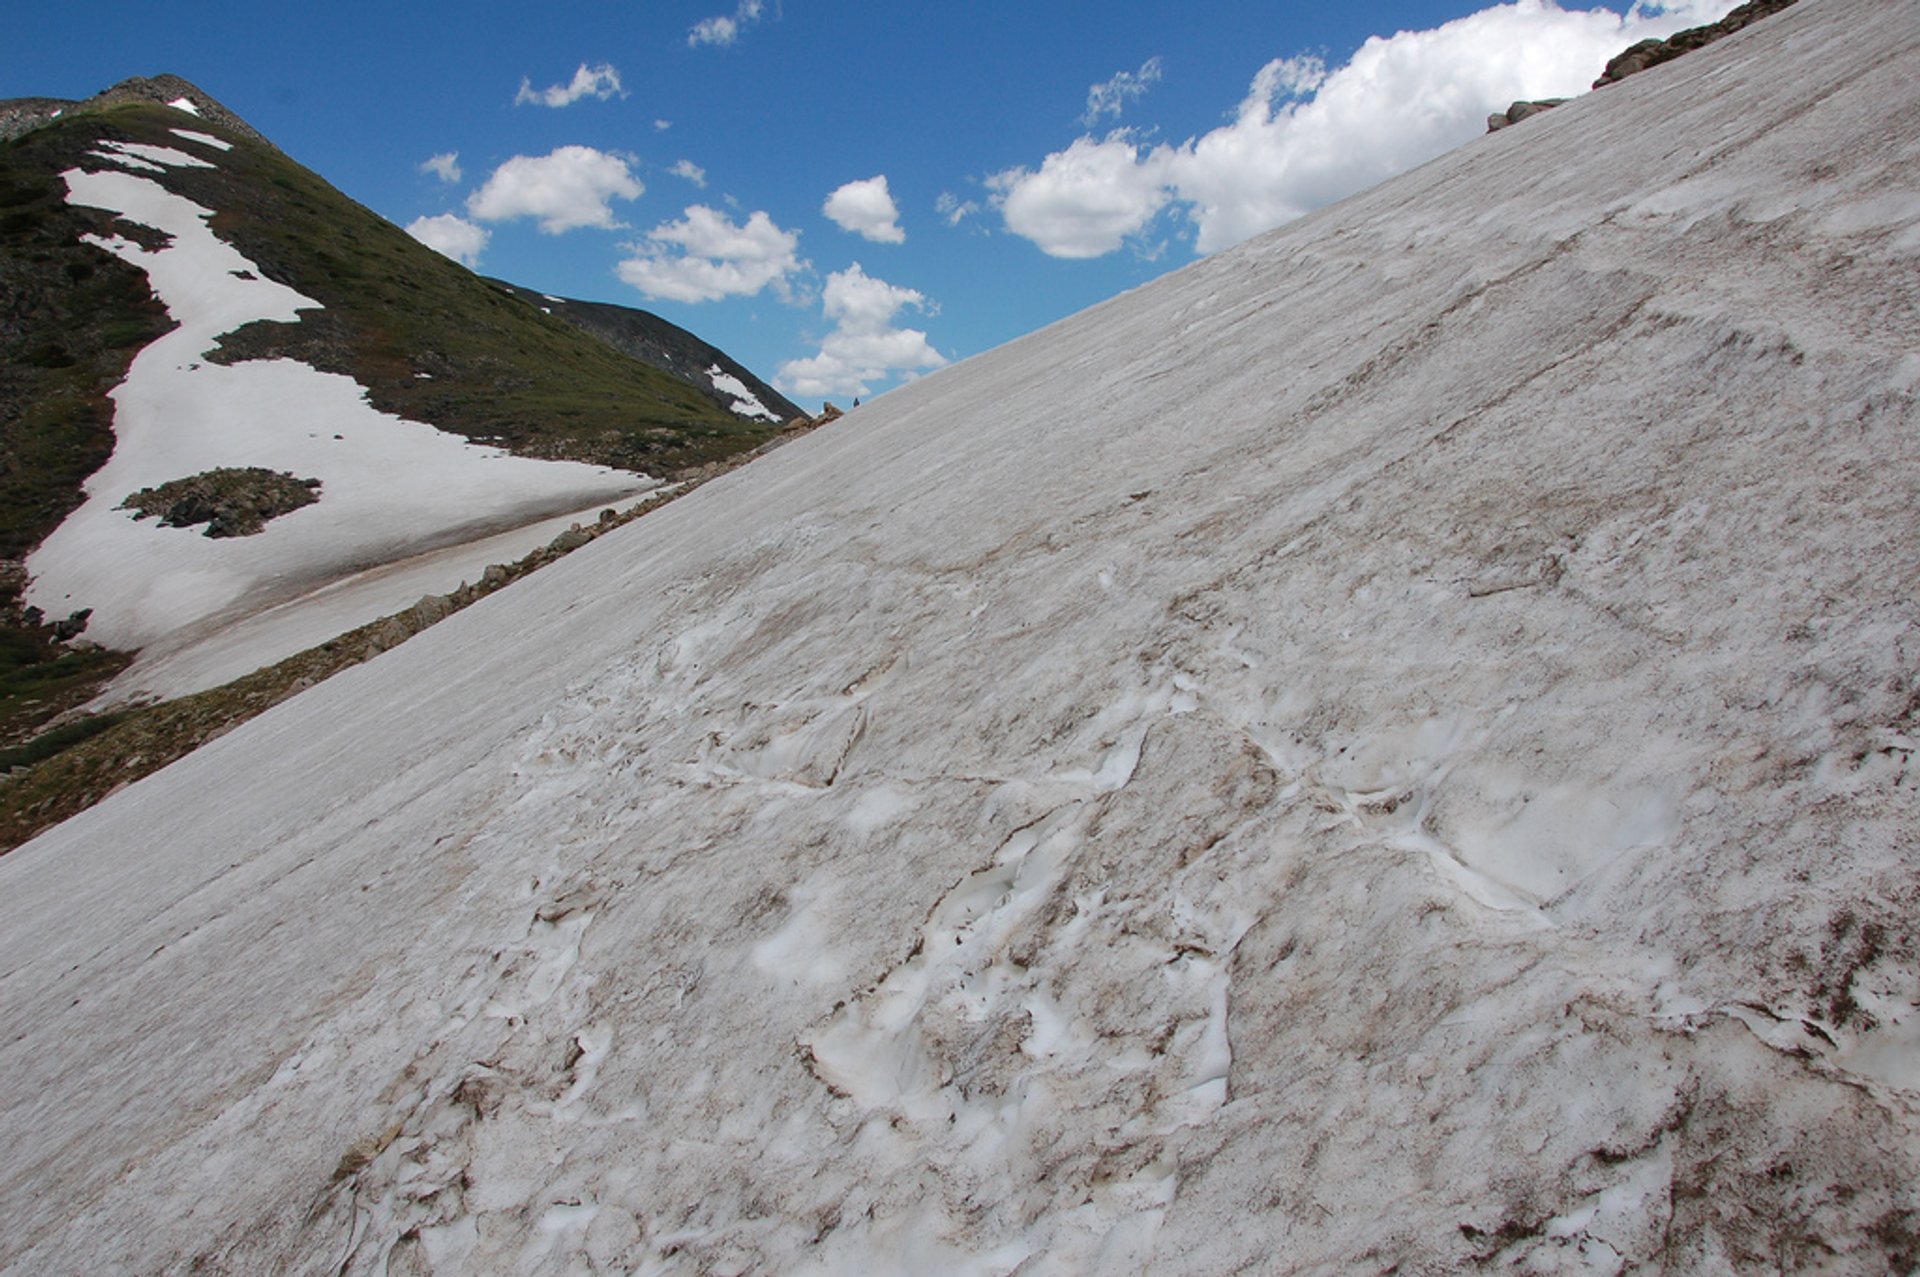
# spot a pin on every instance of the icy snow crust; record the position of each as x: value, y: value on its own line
x: 391, y: 488
x: 1390, y: 747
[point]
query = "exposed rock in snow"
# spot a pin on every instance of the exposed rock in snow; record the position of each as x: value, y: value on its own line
x: 1388, y: 749
x: 1649, y: 53
x: 1520, y: 111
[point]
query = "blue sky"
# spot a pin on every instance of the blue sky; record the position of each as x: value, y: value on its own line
x: 717, y: 162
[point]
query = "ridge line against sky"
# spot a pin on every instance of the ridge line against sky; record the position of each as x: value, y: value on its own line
x: 845, y: 196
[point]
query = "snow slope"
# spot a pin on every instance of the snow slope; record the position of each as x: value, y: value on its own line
x: 1387, y: 750
x: 391, y: 488
x: 226, y: 647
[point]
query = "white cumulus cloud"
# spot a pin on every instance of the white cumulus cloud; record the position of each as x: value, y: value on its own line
x: 691, y: 171
x: 865, y: 345
x: 867, y: 209
x: 570, y: 187
x: 600, y: 82
x: 451, y: 234
x: 1111, y: 97
x: 725, y: 28
x: 1084, y: 201
x: 704, y: 257
x: 445, y: 166
x: 1306, y: 135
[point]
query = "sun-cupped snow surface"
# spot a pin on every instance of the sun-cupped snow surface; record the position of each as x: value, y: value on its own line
x: 390, y: 488
x: 745, y: 402
x: 1388, y: 750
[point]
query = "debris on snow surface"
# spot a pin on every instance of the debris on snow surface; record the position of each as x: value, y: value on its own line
x: 1388, y: 748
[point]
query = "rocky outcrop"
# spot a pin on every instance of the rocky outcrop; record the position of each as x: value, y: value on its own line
x: 1649, y: 53
x: 18, y: 115
x: 233, y: 501
x: 1520, y: 111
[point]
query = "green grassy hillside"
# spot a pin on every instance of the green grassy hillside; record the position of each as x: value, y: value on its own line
x: 73, y: 316
x: 498, y: 369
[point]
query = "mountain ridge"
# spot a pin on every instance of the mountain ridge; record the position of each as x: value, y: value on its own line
x: 669, y: 347
x: 427, y: 339
x: 20, y: 115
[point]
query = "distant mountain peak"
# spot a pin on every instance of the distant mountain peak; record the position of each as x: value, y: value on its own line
x: 645, y: 336
x: 18, y: 115
x: 124, y: 215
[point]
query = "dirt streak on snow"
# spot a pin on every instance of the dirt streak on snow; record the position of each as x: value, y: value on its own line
x: 223, y: 648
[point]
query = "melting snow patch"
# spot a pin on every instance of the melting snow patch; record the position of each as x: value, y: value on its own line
x: 184, y: 104
x: 128, y: 161
x: 153, y: 154
x: 746, y: 403
x: 204, y: 139
x: 402, y: 485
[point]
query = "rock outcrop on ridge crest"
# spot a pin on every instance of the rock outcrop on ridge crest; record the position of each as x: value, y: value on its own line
x: 1520, y: 111
x: 17, y: 115
x: 1390, y: 749
x: 1649, y: 53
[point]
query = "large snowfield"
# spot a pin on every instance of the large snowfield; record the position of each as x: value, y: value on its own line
x: 1388, y: 750
x: 391, y: 489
